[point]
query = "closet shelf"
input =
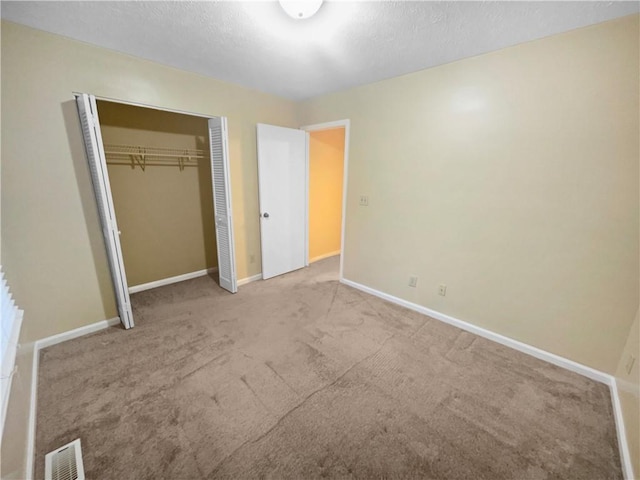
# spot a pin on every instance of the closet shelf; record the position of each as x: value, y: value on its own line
x: 135, y: 155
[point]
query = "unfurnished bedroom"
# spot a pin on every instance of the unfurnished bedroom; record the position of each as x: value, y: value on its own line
x: 320, y: 239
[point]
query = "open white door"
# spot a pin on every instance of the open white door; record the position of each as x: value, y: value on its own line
x: 219, y: 145
x: 282, y: 181
x: 88, y: 112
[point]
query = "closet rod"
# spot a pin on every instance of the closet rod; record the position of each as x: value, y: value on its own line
x: 142, y: 156
x: 114, y: 149
x: 154, y: 155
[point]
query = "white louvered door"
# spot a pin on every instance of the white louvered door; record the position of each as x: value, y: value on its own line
x: 219, y: 146
x: 88, y: 111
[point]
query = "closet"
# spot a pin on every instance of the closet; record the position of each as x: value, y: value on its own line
x: 160, y: 175
x: 162, y: 188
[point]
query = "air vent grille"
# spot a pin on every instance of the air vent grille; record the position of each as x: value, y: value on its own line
x: 65, y: 463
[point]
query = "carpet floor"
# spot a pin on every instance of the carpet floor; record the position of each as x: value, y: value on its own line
x: 303, y: 377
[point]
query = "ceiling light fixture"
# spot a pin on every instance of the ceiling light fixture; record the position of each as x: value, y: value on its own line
x: 300, y: 9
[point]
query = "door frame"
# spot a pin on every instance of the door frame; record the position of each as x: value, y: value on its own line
x: 146, y: 105
x: 346, y: 124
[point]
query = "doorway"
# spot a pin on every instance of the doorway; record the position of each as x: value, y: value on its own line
x: 296, y: 202
x: 326, y: 172
x: 327, y: 160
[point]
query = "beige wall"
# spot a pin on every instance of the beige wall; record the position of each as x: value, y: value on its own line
x: 52, y: 247
x: 326, y: 167
x: 165, y: 214
x: 512, y: 178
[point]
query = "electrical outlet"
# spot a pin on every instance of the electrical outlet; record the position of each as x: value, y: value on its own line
x: 442, y: 290
x: 630, y: 362
x: 413, y: 281
x: 364, y: 201
x: 252, y: 259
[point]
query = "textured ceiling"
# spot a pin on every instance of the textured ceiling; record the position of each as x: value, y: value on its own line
x: 346, y: 44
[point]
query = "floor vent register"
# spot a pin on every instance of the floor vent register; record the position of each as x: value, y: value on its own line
x: 65, y: 463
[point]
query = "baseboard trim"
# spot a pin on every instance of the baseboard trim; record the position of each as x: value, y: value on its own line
x: 77, y: 332
x: 168, y: 281
x: 488, y: 334
x: 252, y: 278
x: 322, y: 257
x: 39, y: 345
x: 588, y: 372
x: 576, y: 367
x: 187, y: 276
x: 625, y: 454
x: 31, y: 432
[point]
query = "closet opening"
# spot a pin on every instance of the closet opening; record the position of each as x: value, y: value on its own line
x: 161, y: 180
x: 160, y: 175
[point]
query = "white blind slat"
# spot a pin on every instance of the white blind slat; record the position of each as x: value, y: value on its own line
x: 10, y: 323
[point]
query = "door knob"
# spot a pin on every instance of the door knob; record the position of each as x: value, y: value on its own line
x: 265, y: 215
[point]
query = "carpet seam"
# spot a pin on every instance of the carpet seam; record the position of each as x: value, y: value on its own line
x: 270, y: 367
x: 191, y: 451
x: 261, y: 436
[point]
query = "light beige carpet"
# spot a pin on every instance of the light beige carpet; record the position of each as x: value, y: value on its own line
x: 302, y: 377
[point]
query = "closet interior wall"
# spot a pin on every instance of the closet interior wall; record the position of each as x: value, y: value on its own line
x: 164, y: 211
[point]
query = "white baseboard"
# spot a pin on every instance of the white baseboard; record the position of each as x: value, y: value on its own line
x: 589, y: 372
x: 187, y: 276
x: 168, y: 281
x: 322, y: 257
x: 31, y: 428
x: 576, y: 367
x: 75, y: 333
x: 39, y: 345
x: 253, y: 278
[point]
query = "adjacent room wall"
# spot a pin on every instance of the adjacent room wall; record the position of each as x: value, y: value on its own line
x: 326, y: 173
x: 164, y: 214
x: 52, y: 247
x: 512, y: 178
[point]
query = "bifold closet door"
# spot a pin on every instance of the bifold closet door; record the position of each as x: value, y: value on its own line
x: 88, y: 111
x: 219, y: 146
